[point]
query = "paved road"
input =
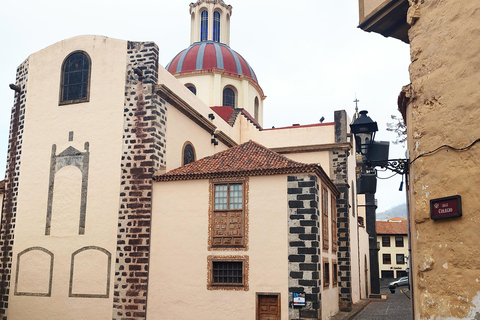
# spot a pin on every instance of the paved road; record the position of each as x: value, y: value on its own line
x: 398, y: 306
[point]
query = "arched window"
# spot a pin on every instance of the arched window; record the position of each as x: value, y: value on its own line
x: 75, y: 78
x: 204, y: 26
x: 229, y: 97
x: 188, y: 153
x: 192, y: 88
x: 255, y: 110
x: 216, y: 26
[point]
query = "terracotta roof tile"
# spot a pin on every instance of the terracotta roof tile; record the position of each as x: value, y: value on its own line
x: 385, y: 227
x: 248, y: 159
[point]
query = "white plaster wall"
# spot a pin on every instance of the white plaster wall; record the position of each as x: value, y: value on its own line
x: 100, y: 122
x: 179, y: 251
x: 364, y: 252
x: 329, y: 297
x: 318, y: 157
x: 293, y: 136
x: 181, y: 129
x: 199, y: 103
x: 210, y: 90
x: 364, y: 263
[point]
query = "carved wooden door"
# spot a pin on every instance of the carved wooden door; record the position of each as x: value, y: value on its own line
x: 268, y: 307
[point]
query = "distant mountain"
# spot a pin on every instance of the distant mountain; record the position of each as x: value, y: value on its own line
x: 397, y: 211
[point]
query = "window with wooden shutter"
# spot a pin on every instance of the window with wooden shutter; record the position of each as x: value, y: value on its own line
x: 227, y: 223
x: 325, y: 218
x: 334, y: 225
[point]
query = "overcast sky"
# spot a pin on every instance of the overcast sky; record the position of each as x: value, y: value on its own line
x: 309, y: 56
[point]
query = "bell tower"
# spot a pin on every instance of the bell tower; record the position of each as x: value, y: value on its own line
x: 210, y: 21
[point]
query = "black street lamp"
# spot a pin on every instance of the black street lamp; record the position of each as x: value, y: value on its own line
x: 364, y: 129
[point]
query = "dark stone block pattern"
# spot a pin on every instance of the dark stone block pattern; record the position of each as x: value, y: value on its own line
x: 304, y: 239
x: 12, y: 174
x: 339, y: 176
x: 143, y: 154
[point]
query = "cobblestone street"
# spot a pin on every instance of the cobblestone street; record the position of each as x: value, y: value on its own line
x: 398, y: 306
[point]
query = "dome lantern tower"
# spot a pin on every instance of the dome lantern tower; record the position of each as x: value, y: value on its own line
x: 210, y: 21
x: 210, y: 69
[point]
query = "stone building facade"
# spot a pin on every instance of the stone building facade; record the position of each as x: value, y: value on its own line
x: 440, y: 108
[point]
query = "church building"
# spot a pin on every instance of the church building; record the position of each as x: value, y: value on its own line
x: 134, y: 191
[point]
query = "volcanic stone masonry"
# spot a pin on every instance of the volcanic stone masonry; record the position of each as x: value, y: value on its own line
x: 11, y: 184
x: 338, y: 163
x: 304, y: 242
x: 143, y: 154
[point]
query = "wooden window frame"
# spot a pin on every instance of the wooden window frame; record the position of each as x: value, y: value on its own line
x: 385, y: 240
x: 326, y: 274
x: 384, y: 261
x: 86, y: 98
x: 333, y: 204
x: 226, y: 286
x: 325, y: 235
x: 212, y: 243
x: 397, y: 240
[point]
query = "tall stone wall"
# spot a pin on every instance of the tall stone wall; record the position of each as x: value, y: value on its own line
x: 143, y: 154
x: 339, y: 175
x: 444, y: 110
x: 304, y: 241
x: 9, y: 209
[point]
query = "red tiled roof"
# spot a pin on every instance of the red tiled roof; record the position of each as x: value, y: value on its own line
x: 248, y: 159
x: 385, y: 227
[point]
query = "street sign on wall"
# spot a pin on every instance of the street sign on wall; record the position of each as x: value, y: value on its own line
x: 447, y: 207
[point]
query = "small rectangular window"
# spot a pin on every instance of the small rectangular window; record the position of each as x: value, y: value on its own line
x: 335, y: 274
x: 326, y: 274
x: 400, y: 259
x: 227, y: 273
x: 399, y: 242
x: 385, y: 241
x: 387, y: 259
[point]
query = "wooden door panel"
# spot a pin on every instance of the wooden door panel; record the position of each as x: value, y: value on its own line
x: 268, y: 307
